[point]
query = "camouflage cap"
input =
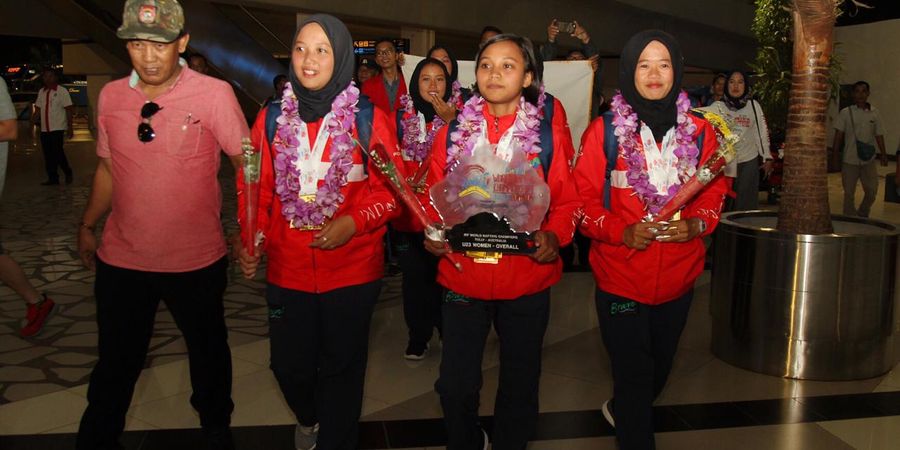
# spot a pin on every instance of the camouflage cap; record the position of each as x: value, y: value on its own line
x: 152, y: 20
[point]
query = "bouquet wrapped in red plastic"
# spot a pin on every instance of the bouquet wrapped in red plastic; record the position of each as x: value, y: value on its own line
x: 251, y: 236
x: 434, y: 231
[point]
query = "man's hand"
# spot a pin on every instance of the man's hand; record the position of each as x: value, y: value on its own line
x: 335, y: 233
x: 552, y: 31
x: 70, y: 133
x: 87, y: 247
x: 547, y: 247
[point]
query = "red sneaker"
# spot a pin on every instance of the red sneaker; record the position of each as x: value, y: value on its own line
x: 42, y: 311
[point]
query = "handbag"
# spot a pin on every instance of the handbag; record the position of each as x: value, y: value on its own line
x: 864, y: 150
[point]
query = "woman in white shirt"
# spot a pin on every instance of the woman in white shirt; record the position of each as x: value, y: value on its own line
x: 746, y: 119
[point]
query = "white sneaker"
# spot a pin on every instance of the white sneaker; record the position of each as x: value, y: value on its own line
x: 608, y: 412
x: 485, y: 439
x: 305, y: 437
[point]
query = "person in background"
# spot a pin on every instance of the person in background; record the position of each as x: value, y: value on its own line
x: 158, y: 138
x: 458, y: 94
x: 549, y: 49
x: 716, y: 90
x: 487, y: 33
x: 198, y: 63
x: 855, y: 124
x: 747, y: 121
x: 417, y: 124
x: 384, y: 89
x: 39, y: 306
x: 365, y: 69
x: 278, y: 84
x: 645, y: 271
x: 54, y: 109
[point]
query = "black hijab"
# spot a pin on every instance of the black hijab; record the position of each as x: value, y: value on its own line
x: 313, y: 105
x: 454, y: 74
x: 659, y: 115
x: 736, y: 103
x: 424, y: 106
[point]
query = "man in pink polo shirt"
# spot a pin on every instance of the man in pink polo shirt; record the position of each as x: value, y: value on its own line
x: 159, y: 132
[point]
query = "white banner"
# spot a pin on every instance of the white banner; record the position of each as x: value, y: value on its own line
x: 569, y: 81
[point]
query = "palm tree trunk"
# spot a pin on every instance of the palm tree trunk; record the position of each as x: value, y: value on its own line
x: 804, y: 206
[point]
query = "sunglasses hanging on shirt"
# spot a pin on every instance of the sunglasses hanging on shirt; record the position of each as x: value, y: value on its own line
x: 145, y: 131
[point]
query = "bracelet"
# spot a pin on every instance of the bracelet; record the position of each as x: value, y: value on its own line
x: 85, y: 225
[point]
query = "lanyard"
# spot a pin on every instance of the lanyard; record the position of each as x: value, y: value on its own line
x: 309, y: 160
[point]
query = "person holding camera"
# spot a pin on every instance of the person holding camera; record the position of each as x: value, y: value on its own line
x: 549, y: 49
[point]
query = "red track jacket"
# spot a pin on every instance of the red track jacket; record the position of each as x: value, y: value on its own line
x: 292, y: 263
x: 517, y: 275
x: 662, y: 272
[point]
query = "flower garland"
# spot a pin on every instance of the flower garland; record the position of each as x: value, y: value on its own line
x: 456, y: 94
x: 287, y: 172
x: 628, y: 133
x: 526, y: 128
x: 414, y: 148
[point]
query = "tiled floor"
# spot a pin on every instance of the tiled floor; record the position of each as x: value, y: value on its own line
x: 42, y: 380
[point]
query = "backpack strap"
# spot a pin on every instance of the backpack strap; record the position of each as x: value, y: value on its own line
x: 364, y: 118
x: 398, y: 115
x: 546, y: 133
x: 611, y: 150
x: 273, y: 111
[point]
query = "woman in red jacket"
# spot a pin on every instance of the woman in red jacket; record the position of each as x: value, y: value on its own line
x: 458, y: 94
x: 417, y: 125
x: 323, y: 215
x: 643, y: 299
x: 513, y: 293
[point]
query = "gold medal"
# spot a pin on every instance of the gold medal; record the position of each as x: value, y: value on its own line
x: 308, y: 198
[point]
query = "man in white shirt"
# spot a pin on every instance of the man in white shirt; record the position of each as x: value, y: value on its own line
x: 54, y: 110
x: 859, y: 123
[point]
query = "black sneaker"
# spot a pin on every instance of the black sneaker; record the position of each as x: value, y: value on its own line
x: 219, y: 439
x: 416, y: 351
x: 50, y: 183
x: 608, y: 412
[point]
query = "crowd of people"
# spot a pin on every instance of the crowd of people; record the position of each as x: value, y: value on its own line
x: 323, y: 212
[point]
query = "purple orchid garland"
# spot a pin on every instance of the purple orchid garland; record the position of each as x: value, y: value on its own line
x: 287, y: 175
x: 627, y: 131
x: 526, y: 128
x: 456, y: 93
x: 412, y: 148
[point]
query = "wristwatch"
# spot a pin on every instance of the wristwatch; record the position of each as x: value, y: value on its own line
x: 702, y: 225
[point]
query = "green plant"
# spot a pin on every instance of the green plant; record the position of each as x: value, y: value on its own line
x: 772, y: 26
